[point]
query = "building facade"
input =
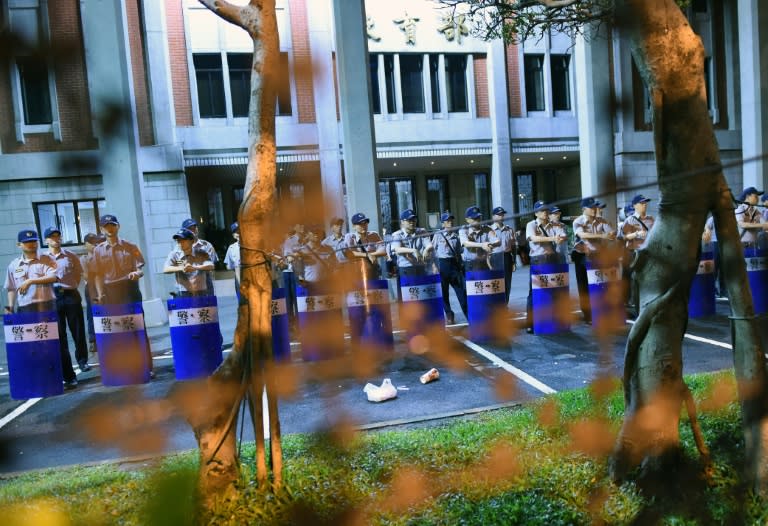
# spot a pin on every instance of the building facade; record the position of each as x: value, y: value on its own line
x: 381, y: 106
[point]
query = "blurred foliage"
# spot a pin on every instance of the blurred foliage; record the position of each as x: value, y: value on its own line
x: 511, y: 466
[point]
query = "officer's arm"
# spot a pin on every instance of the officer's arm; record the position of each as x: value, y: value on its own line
x: 51, y: 276
x: 380, y: 250
x: 205, y: 265
x: 172, y: 266
x: 11, y: 300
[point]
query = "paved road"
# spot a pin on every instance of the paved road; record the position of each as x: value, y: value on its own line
x: 49, y: 432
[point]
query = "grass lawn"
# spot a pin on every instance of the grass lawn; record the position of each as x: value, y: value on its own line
x: 544, y: 463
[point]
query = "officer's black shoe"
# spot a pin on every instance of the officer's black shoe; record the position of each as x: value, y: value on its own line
x: 70, y: 384
x: 84, y: 367
x: 152, y: 375
x: 449, y: 319
x: 529, y: 330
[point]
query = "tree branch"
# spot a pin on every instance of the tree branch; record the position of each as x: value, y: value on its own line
x: 229, y: 12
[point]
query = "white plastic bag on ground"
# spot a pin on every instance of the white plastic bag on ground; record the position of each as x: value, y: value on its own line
x: 385, y: 391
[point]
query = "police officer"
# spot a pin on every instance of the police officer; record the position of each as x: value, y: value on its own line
x: 69, y: 304
x: 543, y: 239
x: 710, y: 236
x: 411, y: 246
x: 749, y: 218
x: 591, y: 233
x: 189, y: 265
x: 232, y: 257
x: 89, y: 274
x: 119, y: 267
x: 503, y: 254
x: 29, y: 282
x: 201, y: 244
x: 336, y: 243
x: 293, y: 270
x: 477, y: 240
x: 634, y: 232
x: 448, y: 253
x: 554, y: 220
x: 318, y: 259
x: 365, y: 247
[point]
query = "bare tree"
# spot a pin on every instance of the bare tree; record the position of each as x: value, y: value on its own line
x: 670, y: 58
x: 242, y: 374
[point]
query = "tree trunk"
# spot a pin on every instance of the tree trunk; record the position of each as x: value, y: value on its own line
x: 670, y: 58
x: 242, y: 373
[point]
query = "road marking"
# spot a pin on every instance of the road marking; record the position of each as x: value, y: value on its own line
x: 700, y: 339
x: 522, y: 375
x: 18, y: 411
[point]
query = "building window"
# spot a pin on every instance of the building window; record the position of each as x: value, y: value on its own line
x: 437, y: 195
x: 445, y: 81
x: 456, y: 82
x: 74, y: 218
x: 240, y: 82
x: 210, y: 85
x: 395, y: 195
x: 33, y: 88
x: 373, y: 61
x: 534, y: 82
x: 434, y: 81
x: 389, y: 82
x: 35, y: 92
x: 482, y: 194
x: 411, y: 83
x: 284, y: 106
x: 561, y: 82
x: 211, y: 100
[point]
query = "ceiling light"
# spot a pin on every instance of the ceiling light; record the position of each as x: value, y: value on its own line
x: 472, y: 161
x: 541, y: 158
x: 432, y: 162
x: 517, y: 159
x: 565, y: 157
x: 394, y: 164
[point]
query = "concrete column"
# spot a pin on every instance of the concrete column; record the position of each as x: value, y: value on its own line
x: 320, y: 42
x: 110, y: 85
x: 356, y: 111
x: 501, y: 149
x: 593, y: 103
x: 159, y: 72
x: 753, y: 74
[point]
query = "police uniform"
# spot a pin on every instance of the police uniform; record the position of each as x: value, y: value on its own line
x: 194, y: 282
x: 448, y: 253
x: 364, y: 243
x: 38, y: 297
x: 89, y: 274
x: 293, y: 271
x: 587, y: 248
x: 202, y: 244
x: 232, y: 257
x: 116, y: 260
x: 541, y: 252
x: 561, y: 248
x: 634, y: 232
x: 69, y: 304
x: 503, y: 255
x: 337, y: 243
x: 476, y: 258
x: 747, y: 213
x: 318, y: 259
x: 410, y: 264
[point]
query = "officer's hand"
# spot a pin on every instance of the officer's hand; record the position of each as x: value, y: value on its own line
x: 24, y: 286
x: 189, y: 268
x: 8, y: 310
